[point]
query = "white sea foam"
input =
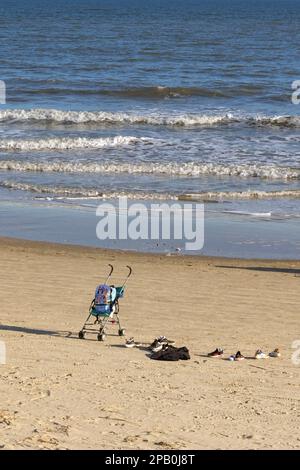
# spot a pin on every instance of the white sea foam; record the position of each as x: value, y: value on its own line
x: 81, y: 193
x: 264, y: 215
x: 284, y: 121
x: 95, y: 193
x: 250, y: 194
x: 85, y: 117
x: 168, y: 168
x: 67, y: 143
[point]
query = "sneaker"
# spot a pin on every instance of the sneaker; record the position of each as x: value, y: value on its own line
x: 130, y: 343
x: 231, y: 358
x: 260, y: 355
x: 275, y: 353
x: 239, y: 356
x: 216, y: 353
x: 156, y: 345
x: 164, y: 340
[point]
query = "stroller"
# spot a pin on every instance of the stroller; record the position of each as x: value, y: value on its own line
x: 105, y: 308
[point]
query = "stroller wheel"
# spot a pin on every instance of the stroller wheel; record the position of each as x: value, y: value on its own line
x: 81, y: 334
x: 101, y: 336
x: 122, y: 332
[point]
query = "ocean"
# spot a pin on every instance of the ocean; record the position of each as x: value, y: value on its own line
x: 153, y: 100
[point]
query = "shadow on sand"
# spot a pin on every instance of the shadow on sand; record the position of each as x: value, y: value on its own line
x: 35, y: 331
x: 141, y: 348
x: 263, y: 269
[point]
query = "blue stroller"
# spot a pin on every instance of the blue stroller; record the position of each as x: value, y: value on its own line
x: 105, y: 308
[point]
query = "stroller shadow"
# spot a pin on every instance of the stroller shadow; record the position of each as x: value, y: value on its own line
x: 35, y: 331
x: 58, y: 334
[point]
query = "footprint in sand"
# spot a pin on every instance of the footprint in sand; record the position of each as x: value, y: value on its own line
x: 6, y: 417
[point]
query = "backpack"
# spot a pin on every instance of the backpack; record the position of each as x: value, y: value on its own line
x: 103, y: 295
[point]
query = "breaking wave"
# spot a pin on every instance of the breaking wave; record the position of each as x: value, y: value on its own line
x: 76, y: 193
x: 242, y: 195
x: 189, y: 169
x: 70, y: 143
x: 100, y: 117
x: 88, y: 117
x: 214, y: 196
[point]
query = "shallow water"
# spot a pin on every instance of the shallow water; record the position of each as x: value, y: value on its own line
x: 242, y: 235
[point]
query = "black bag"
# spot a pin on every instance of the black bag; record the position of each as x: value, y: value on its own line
x: 171, y: 353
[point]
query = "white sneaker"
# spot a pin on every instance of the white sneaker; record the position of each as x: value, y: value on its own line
x: 159, y: 342
x: 130, y: 343
x: 156, y: 345
x: 260, y: 355
x: 164, y: 340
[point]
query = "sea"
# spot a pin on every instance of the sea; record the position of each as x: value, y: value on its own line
x: 154, y: 100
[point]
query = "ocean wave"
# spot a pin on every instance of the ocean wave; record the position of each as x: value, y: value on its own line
x: 193, y: 120
x: 80, y: 193
x: 60, y: 87
x: 94, y: 193
x: 242, y: 195
x: 189, y: 169
x: 279, y: 121
x: 165, y: 92
x: 37, y: 188
x: 70, y: 143
x: 155, y: 92
x: 101, y: 117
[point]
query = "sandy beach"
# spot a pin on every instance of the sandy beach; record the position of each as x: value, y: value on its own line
x: 59, y: 392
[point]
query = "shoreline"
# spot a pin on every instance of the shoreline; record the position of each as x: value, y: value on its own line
x: 23, y: 243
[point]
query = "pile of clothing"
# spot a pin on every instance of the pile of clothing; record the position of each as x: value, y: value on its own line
x: 162, y: 349
x: 171, y: 353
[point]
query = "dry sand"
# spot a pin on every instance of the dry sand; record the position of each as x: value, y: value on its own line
x: 59, y: 392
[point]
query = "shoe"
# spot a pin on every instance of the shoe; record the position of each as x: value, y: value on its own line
x: 158, y: 343
x: 260, y: 355
x: 130, y: 343
x: 164, y: 340
x: 275, y: 353
x: 239, y: 356
x: 231, y: 358
x: 216, y: 353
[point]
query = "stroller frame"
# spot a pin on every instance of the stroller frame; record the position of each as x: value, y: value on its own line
x: 104, y: 319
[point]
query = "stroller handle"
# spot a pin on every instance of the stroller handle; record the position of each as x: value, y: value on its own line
x: 110, y: 273
x: 128, y: 276
x: 130, y: 271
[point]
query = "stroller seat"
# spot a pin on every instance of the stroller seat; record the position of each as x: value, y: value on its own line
x: 105, y: 307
